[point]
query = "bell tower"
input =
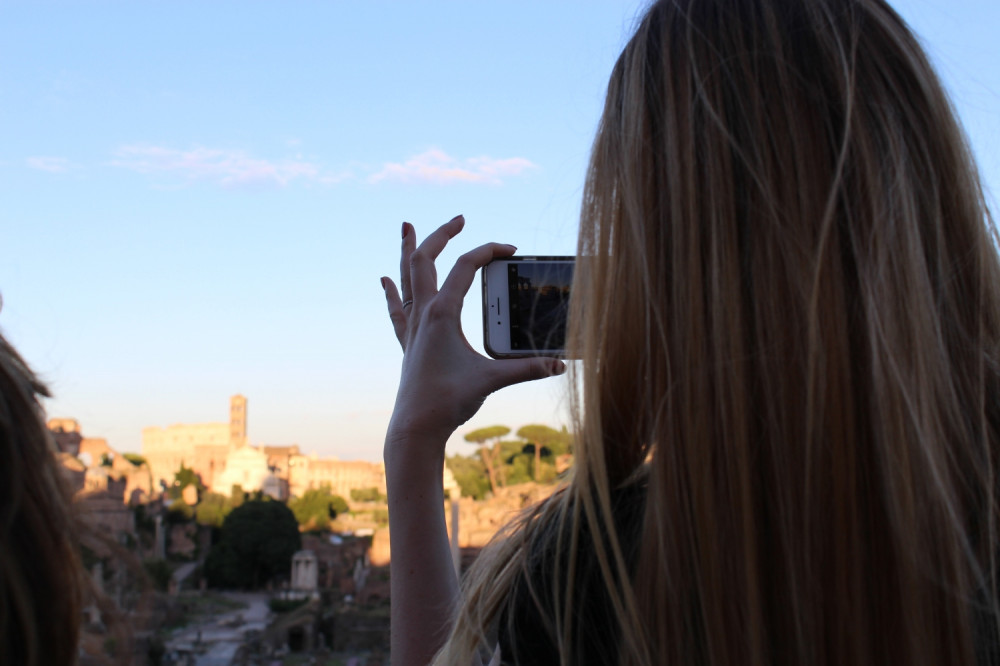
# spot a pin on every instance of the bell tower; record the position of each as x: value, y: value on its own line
x: 237, y: 421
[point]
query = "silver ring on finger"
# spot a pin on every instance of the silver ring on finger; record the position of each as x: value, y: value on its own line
x: 407, y: 302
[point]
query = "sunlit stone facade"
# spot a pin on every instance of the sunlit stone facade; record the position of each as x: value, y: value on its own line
x: 219, y: 453
x: 245, y: 467
x: 306, y: 472
x: 202, y: 447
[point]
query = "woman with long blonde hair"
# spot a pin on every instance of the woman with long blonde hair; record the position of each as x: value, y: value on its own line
x: 789, y: 376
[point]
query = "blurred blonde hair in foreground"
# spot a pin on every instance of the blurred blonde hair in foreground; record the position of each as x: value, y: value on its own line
x: 790, y: 339
x: 40, y: 576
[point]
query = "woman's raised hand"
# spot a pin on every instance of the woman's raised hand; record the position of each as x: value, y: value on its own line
x: 443, y: 383
x: 444, y: 380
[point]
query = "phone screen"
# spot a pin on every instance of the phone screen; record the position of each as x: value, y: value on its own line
x: 539, y: 304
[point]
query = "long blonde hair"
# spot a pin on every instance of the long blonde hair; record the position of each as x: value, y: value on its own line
x: 790, y: 331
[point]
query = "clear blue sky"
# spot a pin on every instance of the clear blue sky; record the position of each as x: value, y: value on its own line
x: 199, y: 198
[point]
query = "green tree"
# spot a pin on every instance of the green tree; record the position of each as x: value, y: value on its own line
x: 339, y: 505
x: 185, y: 477
x: 367, y: 495
x: 257, y: 542
x: 470, y: 475
x: 519, y: 468
x: 213, y: 509
x: 489, y: 453
x: 559, y: 442
x: 540, y: 438
x: 135, y: 459
x: 316, y: 507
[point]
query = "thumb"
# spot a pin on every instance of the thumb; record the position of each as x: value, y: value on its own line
x: 515, y: 371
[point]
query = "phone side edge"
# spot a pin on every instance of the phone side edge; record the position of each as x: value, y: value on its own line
x: 495, y: 285
x: 486, y: 316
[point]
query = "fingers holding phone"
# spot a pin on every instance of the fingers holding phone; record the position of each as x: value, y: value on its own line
x: 444, y: 380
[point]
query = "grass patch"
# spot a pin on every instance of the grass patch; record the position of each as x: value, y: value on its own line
x: 286, y: 605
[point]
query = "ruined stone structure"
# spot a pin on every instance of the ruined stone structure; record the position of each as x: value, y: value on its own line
x: 305, y: 572
x: 308, y: 472
x: 95, y: 451
x: 479, y: 521
x: 101, y: 479
x: 203, y: 447
x: 219, y: 453
x: 67, y: 436
x: 97, y: 471
x: 73, y: 470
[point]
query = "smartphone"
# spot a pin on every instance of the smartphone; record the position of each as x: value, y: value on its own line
x: 525, y: 303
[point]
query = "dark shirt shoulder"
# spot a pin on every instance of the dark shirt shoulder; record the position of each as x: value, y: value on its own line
x: 527, y: 633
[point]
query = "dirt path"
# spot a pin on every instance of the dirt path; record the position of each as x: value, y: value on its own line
x: 215, y: 639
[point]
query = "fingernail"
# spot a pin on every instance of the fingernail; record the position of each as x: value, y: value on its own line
x: 558, y: 367
x: 404, y: 231
x: 512, y: 247
x: 458, y: 218
x: 382, y: 281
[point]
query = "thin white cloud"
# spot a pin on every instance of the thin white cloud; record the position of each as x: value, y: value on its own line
x: 238, y: 169
x: 437, y: 167
x: 228, y: 168
x: 49, y: 164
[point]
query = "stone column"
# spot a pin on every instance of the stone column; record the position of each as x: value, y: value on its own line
x: 456, y: 555
x: 159, y: 549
